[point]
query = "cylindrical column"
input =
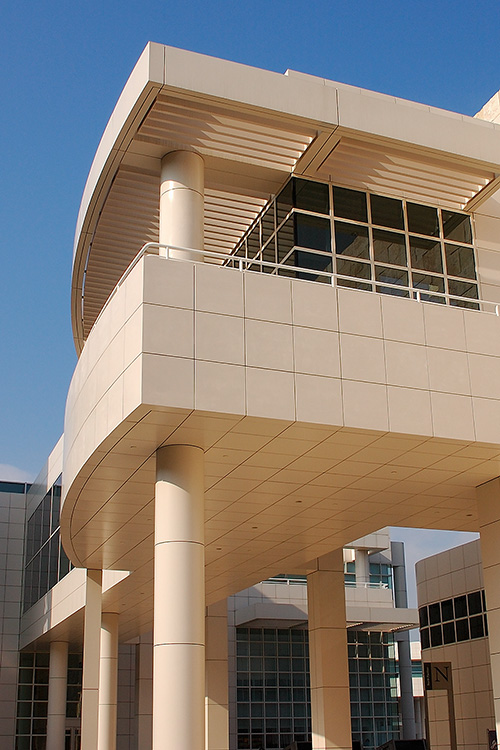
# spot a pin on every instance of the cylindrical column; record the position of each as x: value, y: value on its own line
x: 58, y: 685
x: 182, y: 203
x: 362, y: 567
x: 91, y: 651
x: 179, y: 601
x: 330, y: 700
x: 108, y: 681
x: 216, y: 678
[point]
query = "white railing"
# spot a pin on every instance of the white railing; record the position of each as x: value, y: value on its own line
x: 247, y: 264
x: 366, y: 585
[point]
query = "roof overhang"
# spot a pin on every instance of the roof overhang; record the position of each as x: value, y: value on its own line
x: 254, y: 128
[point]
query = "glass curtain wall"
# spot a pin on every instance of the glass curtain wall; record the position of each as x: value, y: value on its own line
x: 371, y: 242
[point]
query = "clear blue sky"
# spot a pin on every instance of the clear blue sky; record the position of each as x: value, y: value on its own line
x: 63, y: 65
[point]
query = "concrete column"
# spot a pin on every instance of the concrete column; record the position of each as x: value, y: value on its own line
x: 91, y: 658
x: 182, y: 202
x: 179, y: 601
x: 330, y: 703
x: 108, y: 682
x: 144, y: 691
x: 58, y: 686
x: 403, y: 640
x: 216, y: 678
x: 488, y: 507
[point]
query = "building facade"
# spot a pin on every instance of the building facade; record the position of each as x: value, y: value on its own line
x: 454, y: 628
x: 285, y: 300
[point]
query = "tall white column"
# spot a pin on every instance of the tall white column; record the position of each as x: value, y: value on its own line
x: 362, y: 566
x: 144, y: 691
x: 488, y: 507
x: 330, y: 703
x: 108, y: 682
x: 182, y: 202
x: 179, y: 601
x: 91, y: 654
x: 58, y: 686
x: 216, y: 678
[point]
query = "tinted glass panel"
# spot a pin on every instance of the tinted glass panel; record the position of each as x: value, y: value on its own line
x: 449, y: 632
x: 313, y: 261
x: 460, y: 606
x: 387, y: 212
x: 462, y: 627
x: 389, y: 247
x: 286, y: 241
x: 393, y: 276
x: 351, y: 240
x: 476, y: 627
x: 462, y: 288
x: 426, y: 255
x: 267, y: 222
x: 430, y: 284
x: 456, y: 227
x: 422, y: 219
x: 311, y: 196
x: 423, y: 617
x: 424, y: 638
x: 284, y: 202
x: 447, y: 610
x: 253, y: 242
x: 436, y: 635
x: 313, y: 232
x: 434, y: 613
x: 460, y: 261
x: 353, y: 268
x: 349, y: 204
x: 475, y: 603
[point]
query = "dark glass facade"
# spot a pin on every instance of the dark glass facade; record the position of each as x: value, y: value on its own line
x: 45, y: 560
x: 372, y: 242
x: 273, y: 689
x: 462, y: 618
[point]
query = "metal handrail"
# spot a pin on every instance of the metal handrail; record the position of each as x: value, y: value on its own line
x: 244, y: 264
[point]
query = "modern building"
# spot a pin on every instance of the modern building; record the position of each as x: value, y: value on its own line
x: 285, y: 300
x: 454, y: 629
x: 269, y: 697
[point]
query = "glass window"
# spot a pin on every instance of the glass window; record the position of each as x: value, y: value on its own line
x: 422, y: 220
x: 426, y: 255
x: 449, y: 632
x: 447, y: 610
x: 284, y: 202
x: 311, y: 196
x: 312, y: 232
x: 389, y: 247
x: 460, y: 603
x: 395, y: 276
x: 286, y: 239
x: 434, y: 613
x: 463, y: 289
x: 353, y: 268
x: 460, y: 261
x: 423, y: 616
x: 424, y: 638
x: 430, y: 284
x: 352, y: 240
x: 462, y: 628
x: 475, y: 603
x: 267, y: 223
x: 349, y: 204
x: 476, y: 627
x: 387, y: 212
x: 457, y: 227
x: 436, y: 635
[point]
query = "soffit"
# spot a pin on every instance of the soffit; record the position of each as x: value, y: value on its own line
x: 277, y: 495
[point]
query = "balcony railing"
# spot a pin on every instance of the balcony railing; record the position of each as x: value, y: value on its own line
x: 277, y: 269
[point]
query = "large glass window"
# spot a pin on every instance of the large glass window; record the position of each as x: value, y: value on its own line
x: 45, y: 560
x: 373, y: 236
x: 463, y: 618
